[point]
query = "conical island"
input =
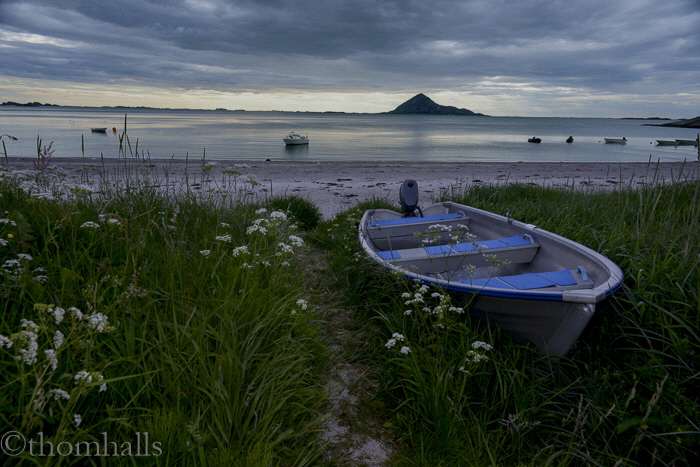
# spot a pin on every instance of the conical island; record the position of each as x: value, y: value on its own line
x: 422, y: 104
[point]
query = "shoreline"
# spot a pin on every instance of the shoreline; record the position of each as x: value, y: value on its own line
x: 335, y: 186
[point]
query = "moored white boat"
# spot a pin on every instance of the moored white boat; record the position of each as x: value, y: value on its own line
x: 622, y: 140
x: 540, y: 286
x: 293, y: 139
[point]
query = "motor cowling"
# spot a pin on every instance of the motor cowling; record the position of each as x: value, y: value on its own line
x: 408, y: 197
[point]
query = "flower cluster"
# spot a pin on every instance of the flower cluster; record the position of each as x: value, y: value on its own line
x: 418, y: 301
x: 56, y: 335
x: 17, y: 268
x: 301, y: 303
x: 395, y: 339
x: 476, y: 355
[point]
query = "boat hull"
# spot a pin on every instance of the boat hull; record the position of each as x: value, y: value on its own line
x: 539, y: 286
x: 553, y: 327
x: 615, y: 140
x: 295, y: 142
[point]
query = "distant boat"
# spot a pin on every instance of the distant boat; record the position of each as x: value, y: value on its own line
x: 666, y: 142
x: 622, y: 140
x: 293, y: 139
x: 570, y: 139
x: 687, y: 142
x: 534, y: 139
x: 99, y: 130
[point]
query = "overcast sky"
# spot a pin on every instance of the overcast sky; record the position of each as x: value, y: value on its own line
x: 599, y: 58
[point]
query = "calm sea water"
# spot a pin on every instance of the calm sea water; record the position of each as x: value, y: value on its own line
x: 243, y: 135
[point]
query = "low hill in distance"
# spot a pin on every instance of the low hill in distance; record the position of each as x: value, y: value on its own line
x: 422, y: 104
x: 685, y: 123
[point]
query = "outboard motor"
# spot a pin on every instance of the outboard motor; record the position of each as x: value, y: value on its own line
x: 408, y: 197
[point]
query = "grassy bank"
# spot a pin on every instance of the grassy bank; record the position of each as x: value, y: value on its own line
x: 140, y: 310
x: 462, y: 394
x: 181, y: 310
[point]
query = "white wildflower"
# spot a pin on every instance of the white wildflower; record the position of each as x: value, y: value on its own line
x: 405, y: 295
x: 481, y: 345
x: 24, y: 256
x: 295, y: 241
x: 4, y: 242
x: 223, y: 238
x: 240, y: 250
x: 261, y: 211
x: 205, y: 252
x: 5, y: 342
x: 405, y: 350
x: 57, y: 313
x: 279, y: 215
x: 29, y: 354
x: 302, y: 303
x: 114, y: 222
x: 256, y: 228
x: 76, y: 313
x: 90, y: 225
x: 285, y: 248
x: 59, y: 394
x: 82, y: 376
x: 57, y: 339
x: 103, y: 386
x: 10, y: 263
x: 408, y: 312
x: 41, y: 279
x: 77, y: 419
x: 29, y: 325
x: 97, y: 322
x: 8, y: 222
x: 51, y: 357
x: 390, y: 343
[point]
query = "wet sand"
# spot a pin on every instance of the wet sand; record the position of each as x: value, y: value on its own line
x: 335, y: 186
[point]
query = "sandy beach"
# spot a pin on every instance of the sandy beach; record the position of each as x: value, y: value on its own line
x: 335, y: 186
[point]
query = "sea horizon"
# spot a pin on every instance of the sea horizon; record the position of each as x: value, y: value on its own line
x: 257, y: 135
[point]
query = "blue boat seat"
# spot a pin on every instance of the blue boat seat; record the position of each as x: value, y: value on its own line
x: 414, y: 220
x: 474, y: 246
x: 527, y: 281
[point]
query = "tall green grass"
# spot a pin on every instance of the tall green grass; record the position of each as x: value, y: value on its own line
x: 625, y: 395
x: 182, y: 315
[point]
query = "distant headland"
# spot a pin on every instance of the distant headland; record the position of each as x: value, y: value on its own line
x: 421, y: 104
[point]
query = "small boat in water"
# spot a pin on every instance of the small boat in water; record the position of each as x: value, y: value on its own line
x: 293, y: 139
x: 541, y: 287
x: 99, y: 130
x: 570, y: 139
x: 687, y: 142
x: 534, y: 139
x: 622, y: 140
x: 666, y: 142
